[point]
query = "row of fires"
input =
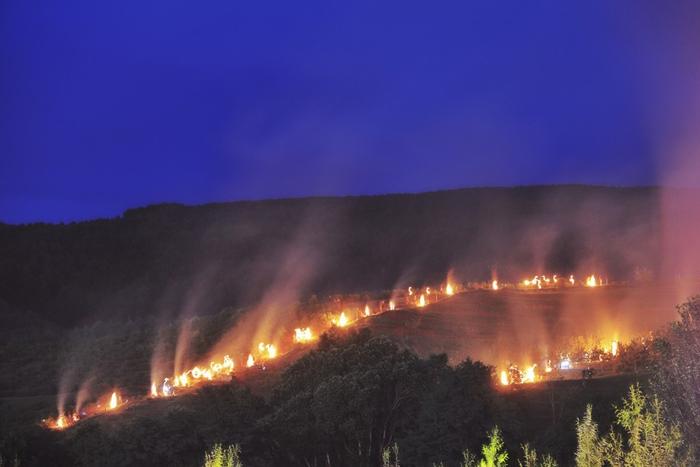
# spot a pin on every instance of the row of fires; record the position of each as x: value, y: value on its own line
x: 532, y: 373
x: 265, y: 352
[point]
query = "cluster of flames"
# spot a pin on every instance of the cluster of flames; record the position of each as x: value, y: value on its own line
x: 532, y: 372
x: 541, y: 281
x: 106, y: 404
x: 265, y: 352
x: 217, y: 370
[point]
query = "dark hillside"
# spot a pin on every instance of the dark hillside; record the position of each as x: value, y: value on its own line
x: 200, y: 258
x: 353, y: 390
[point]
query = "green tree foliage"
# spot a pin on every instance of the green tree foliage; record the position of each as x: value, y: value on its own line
x: 493, y: 453
x: 532, y: 459
x: 453, y: 413
x: 219, y: 456
x: 589, y: 452
x: 390, y: 456
x: 347, y: 403
x: 357, y: 395
x: 678, y: 372
x: 468, y: 459
x: 347, y: 396
x: 650, y: 439
x: 645, y: 438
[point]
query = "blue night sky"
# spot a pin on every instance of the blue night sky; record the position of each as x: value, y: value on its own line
x: 111, y: 105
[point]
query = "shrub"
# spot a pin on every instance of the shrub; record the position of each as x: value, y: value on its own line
x: 219, y: 456
x: 646, y: 437
x: 492, y: 452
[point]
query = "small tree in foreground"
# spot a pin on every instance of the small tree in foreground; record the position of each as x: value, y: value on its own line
x: 589, y: 452
x: 390, y: 456
x: 493, y: 453
x: 677, y: 376
x: 219, y: 456
x: 469, y: 459
x: 647, y: 438
x: 531, y: 459
x: 651, y: 440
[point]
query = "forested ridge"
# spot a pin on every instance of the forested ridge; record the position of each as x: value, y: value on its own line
x: 228, y: 254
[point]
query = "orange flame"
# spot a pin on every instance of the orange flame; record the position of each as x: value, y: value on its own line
x: 113, y: 401
x: 591, y: 281
x: 303, y: 335
x: 250, y: 362
x: 61, y: 422
x: 341, y: 321
x: 504, y: 378
x: 529, y: 374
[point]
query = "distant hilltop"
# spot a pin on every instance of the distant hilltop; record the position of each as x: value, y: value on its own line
x: 172, y: 256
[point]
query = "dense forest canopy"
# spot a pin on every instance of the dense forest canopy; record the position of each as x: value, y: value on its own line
x: 172, y: 256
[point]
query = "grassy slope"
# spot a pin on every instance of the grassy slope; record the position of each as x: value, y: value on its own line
x: 508, y: 325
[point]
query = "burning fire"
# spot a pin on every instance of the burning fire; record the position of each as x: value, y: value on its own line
x: 303, y: 335
x: 341, y: 321
x: 193, y: 376
x: 268, y: 351
x: 228, y: 363
x: 541, y: 281
x: 61, y: 422
x: 181, y: 381
x: 113, y: 401
x: 585, y: 358
x: 534, y: 282
x: 528, y: 375
x: 513, y: 375
x: 65, y: 420
x: 419, y: 297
